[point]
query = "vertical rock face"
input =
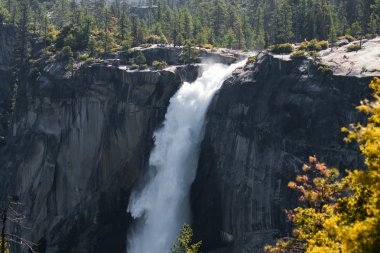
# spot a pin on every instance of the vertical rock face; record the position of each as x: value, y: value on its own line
x: 79, y: 144
x: 262, y: 125
x: 7, y: 39
x: 6, y: 46
x: 6, y: 59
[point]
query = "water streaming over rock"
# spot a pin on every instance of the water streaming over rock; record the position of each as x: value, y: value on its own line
x: 162, y: 205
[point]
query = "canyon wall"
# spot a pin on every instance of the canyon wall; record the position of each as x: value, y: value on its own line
x: 262, y: 125
x: 79, y: 141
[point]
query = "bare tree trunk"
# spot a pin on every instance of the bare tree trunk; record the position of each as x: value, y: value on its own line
x: 4, y: 220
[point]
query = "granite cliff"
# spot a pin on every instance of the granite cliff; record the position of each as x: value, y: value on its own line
x: 262, y: 125
x: 79, y: 142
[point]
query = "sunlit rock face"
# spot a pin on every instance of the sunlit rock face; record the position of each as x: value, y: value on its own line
x: 262, y: 125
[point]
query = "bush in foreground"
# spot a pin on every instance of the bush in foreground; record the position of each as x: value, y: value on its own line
x: 340, y: 215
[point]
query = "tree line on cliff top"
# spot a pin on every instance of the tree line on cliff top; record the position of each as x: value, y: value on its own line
x: 101, y: 26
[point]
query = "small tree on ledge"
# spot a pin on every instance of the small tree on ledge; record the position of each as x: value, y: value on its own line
x: 184, y: 241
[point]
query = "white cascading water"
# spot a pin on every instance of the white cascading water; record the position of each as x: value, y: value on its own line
x: 162, y: 206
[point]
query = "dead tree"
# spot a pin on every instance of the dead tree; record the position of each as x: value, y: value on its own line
x: 10, y: 215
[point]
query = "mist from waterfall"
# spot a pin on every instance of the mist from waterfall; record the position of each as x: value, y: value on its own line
x: 162, y: 206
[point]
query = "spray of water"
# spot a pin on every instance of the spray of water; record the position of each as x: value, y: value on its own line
x: 162, y: 205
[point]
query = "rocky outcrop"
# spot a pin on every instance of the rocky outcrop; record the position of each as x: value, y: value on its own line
x: 172, y: 55
x: 78, y: 146
x: 364, y: 62
x: 262, y: 125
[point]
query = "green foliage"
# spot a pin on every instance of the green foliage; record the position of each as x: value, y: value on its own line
x: 323, y: 44
x: 259, y: 29
x: 6, y: 247
x: 134, y: 66
x: 354, y: 47
x: 300, y: 55
x: 342, y: 215
x: 103, y: 27
x: 4, y: 15
x: 155, y: 39
x: 348, y: 37
x: 140, y: 58
x: 325, y: 69
x: 286, y: 48
x: 370, y: 36
x: 359, y: 213
x: 314, y: 55
x: 251, y: 59
x: 185, y: 242
x: 189, y: 53
x: 314, y: 45
x: 66, y: 53
x: 356, y: 29
x: 77, y: 37
x: 207, y: 46
x: 83, y: 57
x: 70, y: 65
x: 230, y: 39
x: 143, y: 66
x: 159, y: 65
x: 282, y: 22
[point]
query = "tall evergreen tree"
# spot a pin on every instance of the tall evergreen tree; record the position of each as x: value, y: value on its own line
x: 281, y: 23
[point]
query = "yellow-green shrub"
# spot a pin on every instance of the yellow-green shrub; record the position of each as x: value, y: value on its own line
x: 208, y: 46
x: 300, y: 54
x: 354, y: 47
x: 159, y: 65
x: 134, y: 66
x: 285, y: 48
x: 251, y: 59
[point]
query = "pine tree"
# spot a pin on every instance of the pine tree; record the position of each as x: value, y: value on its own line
x: 187, y: 25
x: 229, y: 39
x: 281, y: 23
x: 259, y: 31
x: 4, y: 15
x: 185, y: 239
x: 219, y: 14
x: 22, y: 48
x: 248, y: 33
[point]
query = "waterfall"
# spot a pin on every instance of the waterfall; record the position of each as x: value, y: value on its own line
x: 162, y: 205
